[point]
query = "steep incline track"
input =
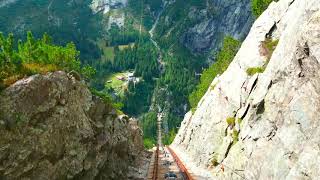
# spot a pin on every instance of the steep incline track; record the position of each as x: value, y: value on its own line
x: 164, y: 160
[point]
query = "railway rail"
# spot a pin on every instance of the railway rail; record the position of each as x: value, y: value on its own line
x: 165, y: 161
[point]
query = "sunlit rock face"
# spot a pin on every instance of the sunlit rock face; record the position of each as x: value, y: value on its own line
x: 275, y: 130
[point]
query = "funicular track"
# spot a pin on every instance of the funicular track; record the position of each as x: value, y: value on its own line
x: 165, y: 160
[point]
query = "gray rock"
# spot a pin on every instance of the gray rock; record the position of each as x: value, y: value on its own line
x: 280, y: 108
x: 54, y: 128
x: 232, y: 17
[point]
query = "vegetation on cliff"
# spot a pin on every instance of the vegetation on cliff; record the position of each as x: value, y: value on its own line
x: 259, y: 6
x: 224, y: 58
x: 23, y: 58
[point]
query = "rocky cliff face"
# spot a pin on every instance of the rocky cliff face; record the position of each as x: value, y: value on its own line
x: 4, y: 3
x: 107, y: 5
x: 220, y: 17
x: 52, y: 127
x: 266, y: 125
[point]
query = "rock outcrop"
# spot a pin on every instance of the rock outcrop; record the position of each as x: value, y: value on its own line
x: 266, y: 125
x: 107, y: 5
x: 52, y: 127
x: 6, y: 3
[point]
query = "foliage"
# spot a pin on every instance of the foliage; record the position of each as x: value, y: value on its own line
x: 142, y: 58
x: 88, y: 71
x: 269, y: 46
x: 36, y: 56
x: 137, y: 98
x: 224, y: 58
x: 258, y: 6
x: 175, y: 20
x: 65, y: 22
x: 235, y: 136
x: 231, y: 121
x: 107, y: 99
x: 178, y: 79
x: 168, y: 138
x: 253, y: 70
x: 214, y: 161
x: 148, y: 123
x: 148, y: 143
x: 144, y: 10
x: 124, y: 35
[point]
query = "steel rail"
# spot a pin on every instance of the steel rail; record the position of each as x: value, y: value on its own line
x: 181, y: 166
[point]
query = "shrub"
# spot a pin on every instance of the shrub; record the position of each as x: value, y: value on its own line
x: 231, y: 121
x: 235, y: 136
x: 258, y: 6
x: 239, y: 120
x: 253, y: 70
x: 35, y: 56
x: 214, y: 161
x: 148, y: 143
x: 270, y: 45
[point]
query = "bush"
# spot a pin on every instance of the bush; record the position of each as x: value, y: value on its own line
x: 36, y: 56
x: 253, y: 70
x: 235, y: 136
x: 258, y: 6
x: 214, y: 161
x: 269, y: 45
x: 231, y: 121
x: 224, y: 58
x: 148, y: 143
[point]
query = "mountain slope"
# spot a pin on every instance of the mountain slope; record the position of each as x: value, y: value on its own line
x: 64, y: 20
x: 260, y: 118
x: 201, y: 25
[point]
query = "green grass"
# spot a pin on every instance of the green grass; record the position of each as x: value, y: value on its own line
x: 116, y: 84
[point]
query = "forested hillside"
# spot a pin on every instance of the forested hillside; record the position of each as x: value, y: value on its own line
x: 148, y: 74
x: 64, y: 21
